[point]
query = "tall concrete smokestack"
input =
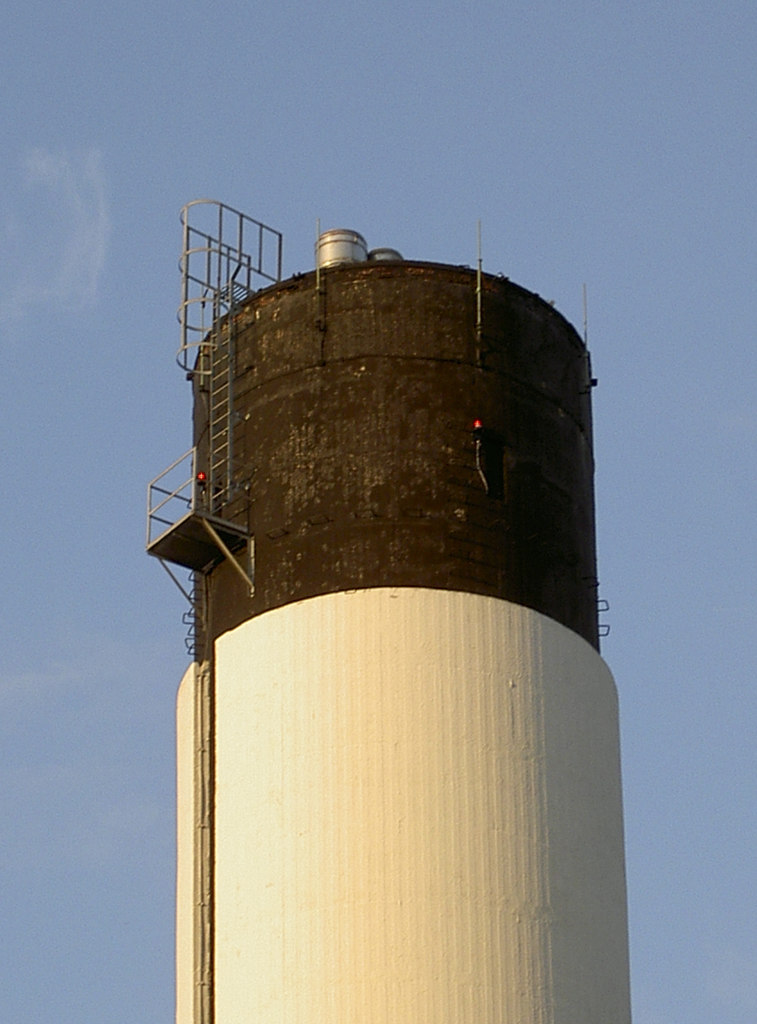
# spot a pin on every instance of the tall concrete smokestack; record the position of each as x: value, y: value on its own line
x: 399, y: 780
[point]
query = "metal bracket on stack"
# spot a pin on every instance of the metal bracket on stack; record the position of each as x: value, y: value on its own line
x: 182, y: 530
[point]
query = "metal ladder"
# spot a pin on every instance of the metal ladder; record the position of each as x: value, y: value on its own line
x: 218, y: 275
x: 189, y: 522
x: 220, y: 416
x: 193, y: 617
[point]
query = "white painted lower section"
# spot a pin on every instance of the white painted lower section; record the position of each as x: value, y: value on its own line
x: 418, y: 817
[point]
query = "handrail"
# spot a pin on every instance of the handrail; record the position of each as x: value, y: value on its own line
x: 217, y: 271
x: 182, y: 491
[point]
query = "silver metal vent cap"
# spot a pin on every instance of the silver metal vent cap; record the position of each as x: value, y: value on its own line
x: 339, y: 246
x: 384, y: 255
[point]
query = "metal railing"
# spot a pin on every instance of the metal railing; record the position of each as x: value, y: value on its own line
x: 172, y: 494
x: 224, y: 253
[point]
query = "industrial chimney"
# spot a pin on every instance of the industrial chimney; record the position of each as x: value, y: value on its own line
x: 399, y: 795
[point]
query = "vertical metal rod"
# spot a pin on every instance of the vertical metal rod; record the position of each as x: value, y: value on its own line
x: 317, y: 261
x: 185, y: 279
x: 586, y: 319
x: 219, y: 242
x: 320, y: 316
x: 204, y: 852
x: 478, y: 294
x: 230, y: 336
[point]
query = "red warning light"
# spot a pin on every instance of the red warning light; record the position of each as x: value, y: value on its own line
x: 201, y: 477
x: 477, y: 424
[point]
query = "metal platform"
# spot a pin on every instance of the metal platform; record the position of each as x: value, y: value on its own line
x: 190, y: 542
x: 181, y: 529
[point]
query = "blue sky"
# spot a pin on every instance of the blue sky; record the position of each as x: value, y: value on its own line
x: 608, y: 143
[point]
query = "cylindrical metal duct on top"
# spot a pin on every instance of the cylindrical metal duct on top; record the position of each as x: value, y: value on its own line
x: 416, y: 805
x: 340, y: 246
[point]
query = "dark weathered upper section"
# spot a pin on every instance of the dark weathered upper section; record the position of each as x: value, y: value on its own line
x: 356, y: 460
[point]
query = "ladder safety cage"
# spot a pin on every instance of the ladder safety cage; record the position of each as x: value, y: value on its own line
x: 224, y: 253
x: 217, y: 275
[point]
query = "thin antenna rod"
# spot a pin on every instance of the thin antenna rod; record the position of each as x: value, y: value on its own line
x: 586, y: 319
x: 320, y: 293
x: 317, y: 254
x: 478, y: 285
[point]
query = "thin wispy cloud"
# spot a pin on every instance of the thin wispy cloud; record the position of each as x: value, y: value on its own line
x: 55, y: 232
